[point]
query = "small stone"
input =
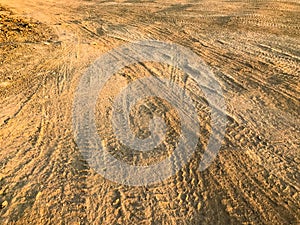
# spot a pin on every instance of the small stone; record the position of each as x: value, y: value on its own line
x: 4, y: 204
x: 38, y: 195
x: 199, y: 206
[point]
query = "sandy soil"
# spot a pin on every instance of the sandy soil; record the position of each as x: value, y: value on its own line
x: 252, y: 48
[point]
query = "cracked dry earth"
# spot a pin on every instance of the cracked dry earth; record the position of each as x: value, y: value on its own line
x: 251, y: 46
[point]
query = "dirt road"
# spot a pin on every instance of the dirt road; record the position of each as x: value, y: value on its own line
x: 252, y: 47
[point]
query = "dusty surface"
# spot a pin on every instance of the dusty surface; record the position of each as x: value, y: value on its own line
x: 253, y: 49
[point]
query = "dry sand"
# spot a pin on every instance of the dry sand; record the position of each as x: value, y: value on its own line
x: 251, y: 46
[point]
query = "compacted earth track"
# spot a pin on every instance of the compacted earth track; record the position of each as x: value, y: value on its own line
x: 252, y: 47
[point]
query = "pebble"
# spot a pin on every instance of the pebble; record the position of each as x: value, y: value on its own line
x: 4, y: 204
x: 38, y: 195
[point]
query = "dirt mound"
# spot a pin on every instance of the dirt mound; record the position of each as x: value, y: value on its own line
x: 15, y: 29
x: 22, y: 41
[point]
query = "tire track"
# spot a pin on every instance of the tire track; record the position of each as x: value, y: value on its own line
x: 252, y: 49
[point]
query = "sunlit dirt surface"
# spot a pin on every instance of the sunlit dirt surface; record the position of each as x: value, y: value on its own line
x: 251, y: 46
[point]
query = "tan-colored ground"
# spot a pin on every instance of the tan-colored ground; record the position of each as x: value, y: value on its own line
x: 252, y: 48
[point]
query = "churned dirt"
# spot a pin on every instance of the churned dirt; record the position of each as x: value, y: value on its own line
x: 251, y: 46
